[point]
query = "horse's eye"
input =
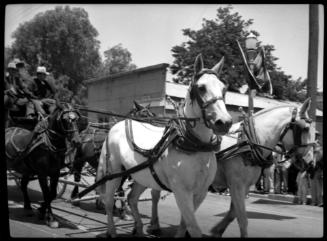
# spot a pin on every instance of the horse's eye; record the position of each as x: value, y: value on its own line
x: 202, y: 88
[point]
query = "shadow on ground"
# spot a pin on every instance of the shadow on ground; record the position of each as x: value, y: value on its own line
x: 272, y: 202
x: 259, y: 215
x: 18, y: 213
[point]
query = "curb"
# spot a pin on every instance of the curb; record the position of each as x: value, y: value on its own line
x: 279, y: 197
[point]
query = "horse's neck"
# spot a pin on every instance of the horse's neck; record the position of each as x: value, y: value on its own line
x: 200, y: 130
x: 269, y: 125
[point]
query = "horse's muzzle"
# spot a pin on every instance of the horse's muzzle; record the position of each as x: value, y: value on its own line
x: 222, y: 127
x: 76, y: 141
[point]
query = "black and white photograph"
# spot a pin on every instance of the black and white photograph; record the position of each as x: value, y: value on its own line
x: 188, y: 120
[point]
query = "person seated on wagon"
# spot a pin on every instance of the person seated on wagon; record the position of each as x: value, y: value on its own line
x: 44, y: 91
x: 15, y: 85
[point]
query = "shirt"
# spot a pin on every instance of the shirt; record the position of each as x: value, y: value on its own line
x: 42, y: 89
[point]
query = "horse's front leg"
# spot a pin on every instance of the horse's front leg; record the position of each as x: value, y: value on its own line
x: 154, y: 227
x: 132, y: 198
x: 52, y: 196
x: 77, y: 166
x: 238, y: 192
x: 220, y: 228
x: 27, y: 202
x: 23, y: 187
x: 45, y: 209
x: 185, y: 203
x: 197, y: 200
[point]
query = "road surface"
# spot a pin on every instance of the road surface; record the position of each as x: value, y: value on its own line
x: 267, y: 218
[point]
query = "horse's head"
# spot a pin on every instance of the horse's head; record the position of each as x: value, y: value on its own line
x: 207, y: 97
x: 66, y: 119
x: 140, y: 111
x: 299, y: 135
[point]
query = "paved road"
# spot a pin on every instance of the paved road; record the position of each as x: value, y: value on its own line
x: 266, y: 218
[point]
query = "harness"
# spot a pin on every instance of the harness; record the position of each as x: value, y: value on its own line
x: 178, y: 132
x: 180, y: 135
x: 248, y: 145
x: 43, y: 137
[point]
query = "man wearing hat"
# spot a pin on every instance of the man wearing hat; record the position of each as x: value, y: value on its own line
x: 44, y: 91
x: 15, y: 84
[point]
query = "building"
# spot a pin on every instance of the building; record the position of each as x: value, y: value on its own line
x: 151, y: 85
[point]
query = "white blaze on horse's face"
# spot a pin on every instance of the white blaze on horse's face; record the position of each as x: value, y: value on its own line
x: 211, y: 91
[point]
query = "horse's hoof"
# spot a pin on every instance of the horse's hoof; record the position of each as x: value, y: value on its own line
x: 53, y: 224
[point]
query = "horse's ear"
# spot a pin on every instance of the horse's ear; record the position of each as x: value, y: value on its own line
x: 198, y: 64
x: 218, y: 67
x: 304, y: 109
x: 137, y: 105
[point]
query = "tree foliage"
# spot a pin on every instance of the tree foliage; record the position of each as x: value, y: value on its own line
x: 217, y: 38
x: 117, y: 60
x: 63, y: 40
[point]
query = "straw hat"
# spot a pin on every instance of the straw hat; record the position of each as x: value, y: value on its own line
x: 42, y: 70
x: 11, y: 65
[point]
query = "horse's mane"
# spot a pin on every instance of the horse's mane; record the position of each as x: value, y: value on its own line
x: 270, y: 109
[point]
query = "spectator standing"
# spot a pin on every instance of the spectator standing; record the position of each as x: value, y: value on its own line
x: 281, y: 171
x: 316, y: 177
x: 302, y: 181
x: 269, y: 176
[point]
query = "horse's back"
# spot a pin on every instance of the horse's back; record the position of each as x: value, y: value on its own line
x: 16, y: 141
x: 145, y: 135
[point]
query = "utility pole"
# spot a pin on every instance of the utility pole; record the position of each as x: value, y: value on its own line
x: 313, y: 58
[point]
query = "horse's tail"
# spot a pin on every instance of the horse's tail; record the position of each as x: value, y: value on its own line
x: 104, y: 166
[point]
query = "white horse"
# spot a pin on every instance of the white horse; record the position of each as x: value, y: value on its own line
x: 271, y: 126
x: 187, y: 175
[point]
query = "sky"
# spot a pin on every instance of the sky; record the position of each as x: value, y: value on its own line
x: 149, y: 31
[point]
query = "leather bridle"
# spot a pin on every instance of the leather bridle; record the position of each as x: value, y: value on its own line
x: 297, y: 127
x: 73, y: 115
x: 195, y: 95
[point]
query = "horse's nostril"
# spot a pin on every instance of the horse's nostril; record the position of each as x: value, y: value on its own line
x: 219, y: 123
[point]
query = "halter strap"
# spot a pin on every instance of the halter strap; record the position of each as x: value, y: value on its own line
x: 194, y: 94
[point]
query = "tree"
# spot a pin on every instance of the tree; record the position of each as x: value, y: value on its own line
x: 117, y: 60
x: 217, y: 38
x: 63, y: 40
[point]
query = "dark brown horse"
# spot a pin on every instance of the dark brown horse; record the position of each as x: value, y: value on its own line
x: 92, y: 139
x: 41, y: 153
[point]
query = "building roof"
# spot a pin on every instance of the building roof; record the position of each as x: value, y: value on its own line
x: 135, y: 71
x: 234, y: 98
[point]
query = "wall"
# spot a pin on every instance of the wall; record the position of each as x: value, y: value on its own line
x: 117, y: 94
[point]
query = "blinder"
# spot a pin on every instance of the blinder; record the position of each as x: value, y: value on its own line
x: 297, y: 127
x: 69, y: 115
